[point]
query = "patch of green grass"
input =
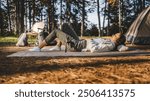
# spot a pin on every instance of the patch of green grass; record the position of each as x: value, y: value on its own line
x: 8, y: 39
x: 12, y: 40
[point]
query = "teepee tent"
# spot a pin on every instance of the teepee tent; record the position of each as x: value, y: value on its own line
x: 139, y: 31
x: 38, y: 30
x: 38, y: 27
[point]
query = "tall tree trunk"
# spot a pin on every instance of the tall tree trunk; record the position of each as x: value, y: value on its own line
x: 53, y: 22
x: 99, y: 20
x: 9, y: 18
x: 104, y: 15
x: 49, y: 16
x: 33, y: 8
x: 61, y: 14
x: 83, y: 18
x: 30, y: 22
x: 1, y: 18
x: 143, y: 4
x: 41, y: 14
x: 22, y: 16
x: 68, y: 11
x: 108, y: 16
x: 123, y: 16
x: 19, y: 16
x: 17, y: 27
x: 120, y: 17
x: 26, y: 15
x: 140, y: 4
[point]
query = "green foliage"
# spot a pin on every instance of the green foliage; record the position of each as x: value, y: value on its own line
x: 93, y: 31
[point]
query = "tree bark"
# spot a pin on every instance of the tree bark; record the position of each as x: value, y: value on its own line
x: 49, y: 16
x: 53, y: 14
x: 17, y: 27
x: 83, y: 18
x: 143, y: 4
x: 120, y: 17
x: 99, y: 20
x: 9, y: 18
x: 61, y: 14
x: 104, y: 15
x: 68, y: 11
x: 26, y: 15
x: 30, y: 8
x: 1, y: 19
x: 51, y: 23
x: 108, y: 26
x: 41, y: 14
x: 22, y: 16
x: 33, y: 9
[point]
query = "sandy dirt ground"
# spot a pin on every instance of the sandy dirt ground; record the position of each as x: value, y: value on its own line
x: 98, y: 70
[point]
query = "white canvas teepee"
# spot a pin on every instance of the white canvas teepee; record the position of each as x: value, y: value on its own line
x: 139, y: 31
x: 38, y: 27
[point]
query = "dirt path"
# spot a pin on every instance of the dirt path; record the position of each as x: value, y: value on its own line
x: 131, y: 69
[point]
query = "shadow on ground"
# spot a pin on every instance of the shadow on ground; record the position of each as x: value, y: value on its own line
x: 10, y: 66
x: 120, y: 69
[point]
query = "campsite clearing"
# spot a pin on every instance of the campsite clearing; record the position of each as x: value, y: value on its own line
x: 35, y: 70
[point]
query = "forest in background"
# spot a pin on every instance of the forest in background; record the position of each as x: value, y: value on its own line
x: 18, y: 16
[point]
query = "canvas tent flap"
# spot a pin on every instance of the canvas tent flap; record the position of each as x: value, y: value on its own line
x: 22, y: 40
x: 38, y: 27
x: 139, y: 31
